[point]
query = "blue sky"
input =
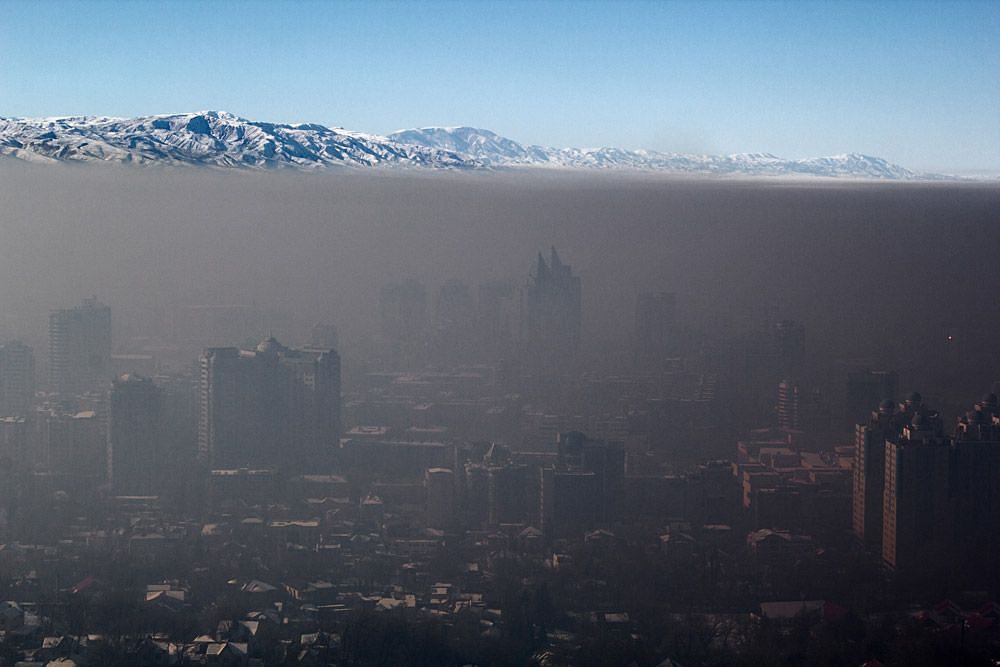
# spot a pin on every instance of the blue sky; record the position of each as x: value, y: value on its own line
x: 917, y: 83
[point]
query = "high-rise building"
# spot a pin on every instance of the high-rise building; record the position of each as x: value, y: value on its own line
x: 510, y: 494
x: 271, y: 406
x: 975, y: 484
x: 509, y: 488
x: 14, y: 454
x: 585, y: 487
x: 497, y: 319
x: 917, y: 512
x: 181, y: 409
x: 655, y: 329
x: 789, y: 405
x: 869, y: 470
x: 135, y: 437
x: 73, y: 445
x: 553, y: 312
x: 17, y: 379
x: 940, y: 494
x: 475, y: 497
x: 801, y: 412
x: 606, y: 459
x: 570, y: 500
x: 403, y: 318
x: 439, y: 484
x: 80, y: 347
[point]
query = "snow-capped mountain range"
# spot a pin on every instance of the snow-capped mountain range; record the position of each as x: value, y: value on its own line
x: 221, y: 139
x: 213, y: 138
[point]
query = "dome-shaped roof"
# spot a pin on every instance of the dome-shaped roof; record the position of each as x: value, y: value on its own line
x: 270, y: 345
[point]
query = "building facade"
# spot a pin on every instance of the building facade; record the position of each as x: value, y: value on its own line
x: 80, y: 348
x: 553, y: 312
x: 17, y: 379
x: 135, y: 437
x: 271, y: 406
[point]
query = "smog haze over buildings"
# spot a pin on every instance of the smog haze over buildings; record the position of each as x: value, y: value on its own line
x: 285, y: 393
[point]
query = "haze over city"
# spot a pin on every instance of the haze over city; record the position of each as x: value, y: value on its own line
x: 504, y: 333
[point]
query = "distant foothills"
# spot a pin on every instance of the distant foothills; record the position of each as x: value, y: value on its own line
x: 221, y: 139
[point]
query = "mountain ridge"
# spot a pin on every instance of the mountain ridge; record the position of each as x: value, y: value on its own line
x: 225, y: 140
x: 494, y: 149
x: 208, y: 138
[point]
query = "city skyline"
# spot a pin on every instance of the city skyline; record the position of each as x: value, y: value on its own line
x: 276, y: 391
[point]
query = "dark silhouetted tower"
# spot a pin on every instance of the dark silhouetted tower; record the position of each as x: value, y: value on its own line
x: 552, y: 312
x: 497, y: 319
x: 80, y: 347
x: 271, y: 406
x: 17, y: 379
x: 135, y: 437
x: 916, y: 511
x: 869, y: 470
x: 403, y: 316
x: 439, y: 484
x: 975, y: 484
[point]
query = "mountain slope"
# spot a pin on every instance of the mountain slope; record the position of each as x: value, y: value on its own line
x: 492, y: 149
x: 214, y: 138
x: 220, y: 139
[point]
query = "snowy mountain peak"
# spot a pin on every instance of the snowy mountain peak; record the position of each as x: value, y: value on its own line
x: 223, y: 139
x: 495, y: 150
x: 211, y: 138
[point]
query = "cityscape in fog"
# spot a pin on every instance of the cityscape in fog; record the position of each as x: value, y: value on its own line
x: 574, y: 452
x: 499, y: 334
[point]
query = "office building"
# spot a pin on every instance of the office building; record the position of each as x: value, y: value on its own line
x: 403, y: 323
x: 136, y: 455
x: 789, y: 405
x: 14, y: 442
x: 585, y: 488
x: 17, y: 379
x: 73, y: 445
x: 80, y: 348
x: 885, y: 424
x: 917, y: 512
x: 270, y: 406
x: 975, y: 484
x: 553, y: 311
x: 498, y: 320
x: 511, y: 488
x: 570, y: 501
x: 439, y: 484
